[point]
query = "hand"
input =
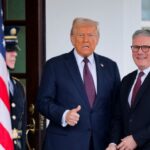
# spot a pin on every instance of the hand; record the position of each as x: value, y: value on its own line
x: 127, y: 143
x: 112, y: 146
x: 15, y: 133
x: 72, y: 116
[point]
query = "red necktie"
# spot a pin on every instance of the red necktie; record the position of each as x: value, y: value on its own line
x: 136, y: 87
x: 89, y: 83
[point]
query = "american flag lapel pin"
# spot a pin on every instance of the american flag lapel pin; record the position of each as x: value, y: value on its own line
x: 102, y: 65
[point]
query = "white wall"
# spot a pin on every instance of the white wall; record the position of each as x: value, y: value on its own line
x: 118, y: 20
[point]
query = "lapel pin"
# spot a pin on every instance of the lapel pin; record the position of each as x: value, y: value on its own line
x: 102, y: 65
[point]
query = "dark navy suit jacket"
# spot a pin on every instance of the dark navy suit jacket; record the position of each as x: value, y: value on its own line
x: 62, y: 88
x: 133, y: 120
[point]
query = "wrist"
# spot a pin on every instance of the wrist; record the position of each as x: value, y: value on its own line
x: 113, y: 144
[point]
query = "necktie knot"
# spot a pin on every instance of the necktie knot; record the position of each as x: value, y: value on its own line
x: 140, y: 74
x: 85, y: 60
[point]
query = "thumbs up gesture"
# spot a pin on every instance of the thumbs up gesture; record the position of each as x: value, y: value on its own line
x: 72, y: 116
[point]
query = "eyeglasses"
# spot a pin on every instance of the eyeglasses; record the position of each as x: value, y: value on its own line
x: 144, y: 48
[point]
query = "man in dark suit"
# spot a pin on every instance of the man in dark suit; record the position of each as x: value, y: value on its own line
x: 79, y: 112
x: 131, y: 127
x: 16, y: 90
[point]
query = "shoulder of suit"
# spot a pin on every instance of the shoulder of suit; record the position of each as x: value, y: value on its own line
x: 129, y: 76
x: 16, y: 80
x: 57, y: 59
x: 103, y: 58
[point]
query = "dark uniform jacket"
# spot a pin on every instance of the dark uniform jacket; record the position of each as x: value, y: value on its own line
x: 18, y: 112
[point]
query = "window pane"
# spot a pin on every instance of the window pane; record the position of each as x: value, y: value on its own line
x: 15, y: 10
x: 146, y: 10
x: 146, y: 28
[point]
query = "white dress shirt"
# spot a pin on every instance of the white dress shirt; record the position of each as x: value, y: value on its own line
x: 92, y: 68
x: 91, y: 65
x: 146, y: 71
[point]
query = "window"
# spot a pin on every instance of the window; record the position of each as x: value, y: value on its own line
x: 145, y: 13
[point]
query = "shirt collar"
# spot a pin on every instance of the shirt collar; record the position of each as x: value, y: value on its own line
x: 80, y: 58
x: 146, y: 71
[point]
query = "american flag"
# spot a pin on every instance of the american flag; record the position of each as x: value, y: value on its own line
x: 6, y: 142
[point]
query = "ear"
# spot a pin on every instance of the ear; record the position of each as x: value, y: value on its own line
x: 72, y: 39
x: 97, y: 40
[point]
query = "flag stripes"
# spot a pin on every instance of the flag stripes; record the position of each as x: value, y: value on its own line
x: 6, y: 142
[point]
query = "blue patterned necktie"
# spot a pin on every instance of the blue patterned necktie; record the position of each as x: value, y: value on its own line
x: 136, y: 87
x: 88, y: 83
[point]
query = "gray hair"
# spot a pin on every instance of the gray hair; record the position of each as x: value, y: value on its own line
x: 80, y: 20
x: 144, y: 32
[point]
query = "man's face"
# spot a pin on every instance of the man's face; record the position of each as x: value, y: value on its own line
x: 85, y: 39
x: 141, y: 59
x: 11, y: 59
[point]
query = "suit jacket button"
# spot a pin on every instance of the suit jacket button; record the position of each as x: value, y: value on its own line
x: 14, y: 117
x: 13, y: 105
x: 15, y: 142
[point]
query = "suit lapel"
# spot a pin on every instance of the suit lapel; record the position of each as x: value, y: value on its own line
x: 127, y: 88
x: 73, y: 69
x: 142, y: 89
x: 101, y: 80
x: 100, y: 67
